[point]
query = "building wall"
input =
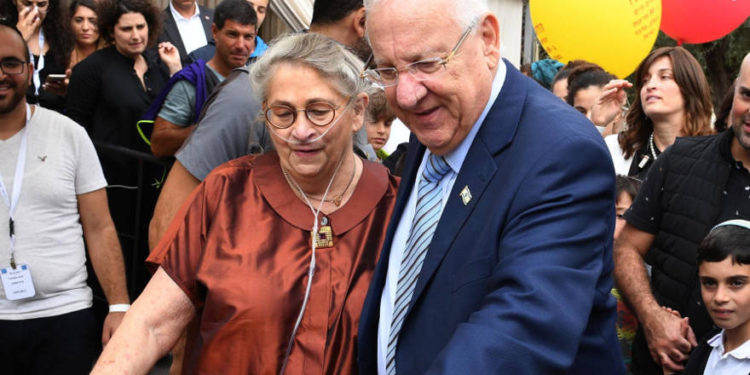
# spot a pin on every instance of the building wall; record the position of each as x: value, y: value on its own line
x: 510, y: 13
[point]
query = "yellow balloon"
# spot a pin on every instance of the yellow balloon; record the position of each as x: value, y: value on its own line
x: 616, y: 34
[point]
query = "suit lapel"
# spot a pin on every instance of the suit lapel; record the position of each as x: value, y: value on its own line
x: 206, y: 21
x: 173, y: 35
x: 477, y: 171
x: 414, y: 156
x: 371, y: 310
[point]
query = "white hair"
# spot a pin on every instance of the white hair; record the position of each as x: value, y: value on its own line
x: 464, y: 11
x: 340, y: 67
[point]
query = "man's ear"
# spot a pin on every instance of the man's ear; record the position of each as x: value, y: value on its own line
x: 214, y: 30
x: 30, y: 72
x: 489, y: 30
x: 358, y: 22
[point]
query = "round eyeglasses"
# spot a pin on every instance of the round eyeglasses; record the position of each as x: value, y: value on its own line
x: 282, y: 116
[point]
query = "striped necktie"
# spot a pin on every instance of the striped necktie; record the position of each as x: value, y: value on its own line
x: 426, y: 217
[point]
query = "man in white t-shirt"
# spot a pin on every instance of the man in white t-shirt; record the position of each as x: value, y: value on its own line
x: 51, y: 197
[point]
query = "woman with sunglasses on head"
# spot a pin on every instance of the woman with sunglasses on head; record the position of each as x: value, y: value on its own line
x: 674, y: 100
x: 43, y: 24
x: 271, y: 257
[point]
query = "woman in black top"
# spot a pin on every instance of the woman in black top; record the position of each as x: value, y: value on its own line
x: 108, y: 93
x: 44, y: 26
x: 110, y: 89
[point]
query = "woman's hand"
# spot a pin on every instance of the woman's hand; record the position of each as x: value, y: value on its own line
x: 58, y: 87
x: 610, y: 102
x: 170, y: 56
x: 28, y: 22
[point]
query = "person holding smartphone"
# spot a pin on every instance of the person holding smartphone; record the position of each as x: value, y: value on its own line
x: 44, y: 26
x: 85, y: 31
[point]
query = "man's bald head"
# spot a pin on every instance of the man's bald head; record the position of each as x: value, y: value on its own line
x: 745, y: 64
x: 739, y: 116
x: 8, y: 33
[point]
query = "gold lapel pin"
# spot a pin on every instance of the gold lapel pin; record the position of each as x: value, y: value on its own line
x: 465, y: 195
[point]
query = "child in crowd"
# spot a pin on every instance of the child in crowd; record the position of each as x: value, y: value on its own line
x: 378, y: 122
x: 724, y: 273
x: 626, y: 188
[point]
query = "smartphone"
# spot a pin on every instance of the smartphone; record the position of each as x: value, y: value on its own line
x: 55, y: 78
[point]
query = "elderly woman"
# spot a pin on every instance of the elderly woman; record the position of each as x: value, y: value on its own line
x: 270, y: 259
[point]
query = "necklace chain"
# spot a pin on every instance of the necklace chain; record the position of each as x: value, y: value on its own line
x: 340, y: 197
x: 294, y: 184
x: 652, y: 146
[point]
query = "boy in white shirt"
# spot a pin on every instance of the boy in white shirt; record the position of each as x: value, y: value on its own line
x: 724, y: 274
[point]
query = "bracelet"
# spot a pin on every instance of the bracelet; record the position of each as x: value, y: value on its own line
x: 123, y: 307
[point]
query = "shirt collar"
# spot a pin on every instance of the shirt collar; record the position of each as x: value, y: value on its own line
x: 456, y: 157
x: 717, y: 342
x: 177, y: 16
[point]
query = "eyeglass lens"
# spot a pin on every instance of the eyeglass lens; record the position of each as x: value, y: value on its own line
x: 282, y: 116
x: 12, y: 66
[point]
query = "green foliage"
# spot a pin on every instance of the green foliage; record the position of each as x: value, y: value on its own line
x: 720, y: 59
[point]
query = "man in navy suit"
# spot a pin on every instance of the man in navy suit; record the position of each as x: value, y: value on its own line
x: 498, y: 258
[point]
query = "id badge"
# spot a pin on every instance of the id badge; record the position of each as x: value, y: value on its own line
x: 17, y: 282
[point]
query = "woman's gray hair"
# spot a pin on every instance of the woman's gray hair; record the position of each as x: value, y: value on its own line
x: 329, y: 58
x: 464, y: 11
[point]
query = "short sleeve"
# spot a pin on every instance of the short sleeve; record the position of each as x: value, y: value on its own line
x: 179, y: 105
x: 89, y: 174
x: 228, y: 129
x: 180, y: 250
x: 645, y: 213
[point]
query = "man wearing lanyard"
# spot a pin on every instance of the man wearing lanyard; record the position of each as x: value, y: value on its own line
x: 52, y: 193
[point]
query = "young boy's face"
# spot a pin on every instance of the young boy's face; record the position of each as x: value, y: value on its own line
x: 623, y: 203
x: 378, y: 132
x: 726, y: 293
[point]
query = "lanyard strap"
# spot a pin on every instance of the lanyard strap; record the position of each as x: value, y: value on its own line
x: 40, y: 64
x: 12, y: 201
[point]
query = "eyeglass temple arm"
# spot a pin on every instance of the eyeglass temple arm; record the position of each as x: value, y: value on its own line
x: 461, y: 41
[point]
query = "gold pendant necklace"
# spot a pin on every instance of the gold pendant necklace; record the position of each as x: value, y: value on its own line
x: 324, y: 236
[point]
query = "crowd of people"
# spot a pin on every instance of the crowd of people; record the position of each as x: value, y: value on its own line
x: 536, y: 221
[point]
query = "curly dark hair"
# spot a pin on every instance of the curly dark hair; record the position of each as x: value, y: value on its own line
x: 584, y: 76
x: 56, y: 28
x: 112, y: 12
x: 694, y: 88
